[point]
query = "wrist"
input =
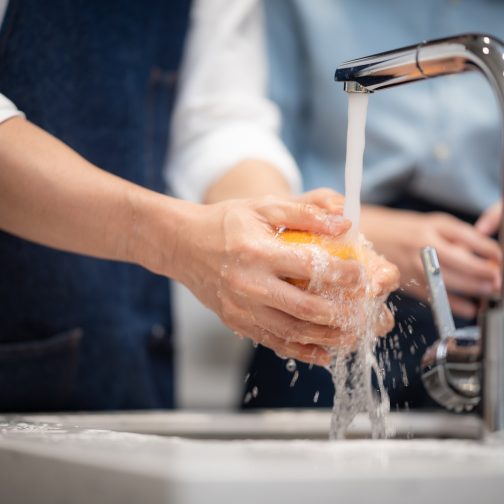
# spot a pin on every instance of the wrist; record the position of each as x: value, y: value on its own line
x: 156, y: 223
x: 248, y: 179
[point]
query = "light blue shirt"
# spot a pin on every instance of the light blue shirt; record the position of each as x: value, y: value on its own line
x: 439, y: 140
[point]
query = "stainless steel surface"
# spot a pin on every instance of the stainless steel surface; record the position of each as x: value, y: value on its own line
x: 493, y: 370
x: 440, y: 304
x: 451, y: 372
x: 451, y: 366
x: 354, y: 87
x: 468, y: 52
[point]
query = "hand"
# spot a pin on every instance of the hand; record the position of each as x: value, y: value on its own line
x: 359, y: 308
x: 353, y: 302
x: 228, y: 256
x: 470, y: 260
x: 489, y: 221
x: 325, y: 198
x: 383, y: 276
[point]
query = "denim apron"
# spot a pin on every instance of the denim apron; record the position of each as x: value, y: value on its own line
x: 78, y: 333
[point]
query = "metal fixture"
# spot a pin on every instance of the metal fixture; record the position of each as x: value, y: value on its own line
x: 469, y: 52
x: 451, y: 366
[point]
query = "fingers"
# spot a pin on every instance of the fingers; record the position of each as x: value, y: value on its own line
x: 315, y: 265
x: 466, y: 263
x: 311, y: 354
x: 299, y: 303
x: 462, y: 307
x: 325, y: 198
x: 489, y: 221
x: 462, y: 233
x: 385, y: 321
x: 292, y: 330
x: 466, y: 284
x: 384, y: 275
x: 304, y: 217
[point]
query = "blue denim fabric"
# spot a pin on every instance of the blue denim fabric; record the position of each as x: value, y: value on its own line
x: 76, y: 332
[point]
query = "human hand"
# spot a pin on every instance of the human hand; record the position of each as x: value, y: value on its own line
x: 489, y: 221
x: 228, y: 256
x: 469, y: 259
x: 359, y: 307
x: 325, y: 198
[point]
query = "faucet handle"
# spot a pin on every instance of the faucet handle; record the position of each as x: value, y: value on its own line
x: 440, y: 304
x: 451, y: 366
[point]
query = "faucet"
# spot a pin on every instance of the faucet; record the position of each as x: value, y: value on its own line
x: 464, y: 369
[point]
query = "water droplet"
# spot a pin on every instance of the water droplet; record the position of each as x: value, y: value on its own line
x: 247, y: 398
x: 290, y: 365
x: 247, y: 376
x: 255, y: 391
x: 404, y: 375
x: 316, y: 396
x: 295, y: 377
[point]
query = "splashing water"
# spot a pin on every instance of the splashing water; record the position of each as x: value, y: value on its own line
x: 352, y: 367
x: 356, y: 312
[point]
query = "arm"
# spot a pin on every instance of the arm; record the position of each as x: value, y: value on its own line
x: 225, y: 253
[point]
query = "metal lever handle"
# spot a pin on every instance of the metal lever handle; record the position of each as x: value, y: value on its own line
x: 439, y: 297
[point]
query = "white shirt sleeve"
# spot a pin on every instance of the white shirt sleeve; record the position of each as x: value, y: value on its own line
x: 222, y: 114
x: 8, y: 109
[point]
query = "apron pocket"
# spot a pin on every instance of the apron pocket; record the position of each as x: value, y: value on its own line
x: 39, y: 375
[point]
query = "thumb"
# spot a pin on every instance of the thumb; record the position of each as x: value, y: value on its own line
x: 488, y: 223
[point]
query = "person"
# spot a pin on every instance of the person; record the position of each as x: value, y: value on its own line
x: 431, y: 173
x: 85, y: 318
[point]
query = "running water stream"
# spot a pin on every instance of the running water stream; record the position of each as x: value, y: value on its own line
x: 352, y: 368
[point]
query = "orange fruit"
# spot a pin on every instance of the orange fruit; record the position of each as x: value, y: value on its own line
x: 334, y: 246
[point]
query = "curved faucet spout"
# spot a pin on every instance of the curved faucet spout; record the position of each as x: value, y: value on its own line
x: 428, y: 59
x: 447, y: 56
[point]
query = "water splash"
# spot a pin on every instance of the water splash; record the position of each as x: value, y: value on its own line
x: 351, y: 371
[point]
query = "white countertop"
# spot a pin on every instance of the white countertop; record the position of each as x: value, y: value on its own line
x: 46, y: 459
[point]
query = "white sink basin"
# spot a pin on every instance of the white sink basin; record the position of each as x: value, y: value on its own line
x: 273, y: 424
x: 52, y: 462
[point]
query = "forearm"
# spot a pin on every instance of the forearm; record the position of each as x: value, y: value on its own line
x: 372, y: 224
x: 51, y: 195
x: 250, y: 178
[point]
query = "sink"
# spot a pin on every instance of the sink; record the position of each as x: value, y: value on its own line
x: 264, y: 457
x: 268, y: 424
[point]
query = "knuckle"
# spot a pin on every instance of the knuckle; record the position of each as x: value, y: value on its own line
x: 289, y: 332
x: 306, y: 309
x: 229, y: 313
x: 234, y: 281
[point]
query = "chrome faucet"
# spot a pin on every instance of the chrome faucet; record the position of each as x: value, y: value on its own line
x: 463, y: 369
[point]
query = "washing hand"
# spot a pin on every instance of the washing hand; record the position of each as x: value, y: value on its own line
x: 470, y: 260
x: 240, y: 272
x: 357, y: 291
x: 383, y: 275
